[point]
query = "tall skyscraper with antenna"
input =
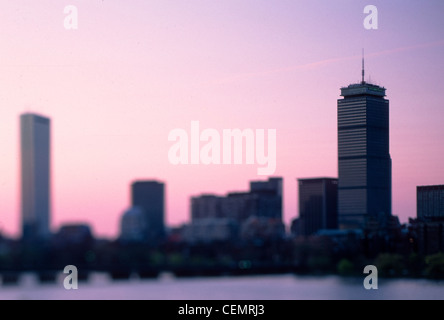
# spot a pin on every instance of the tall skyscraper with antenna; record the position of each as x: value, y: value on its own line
x: 364, y: 162
x: 35, y: 176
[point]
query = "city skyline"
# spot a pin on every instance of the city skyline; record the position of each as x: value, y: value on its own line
x: 117, y: 86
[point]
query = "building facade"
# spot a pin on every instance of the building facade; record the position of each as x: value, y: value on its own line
x: 210, y: 230
x: 261, y: 205
x: 318, y: 208
x: 430, y: 203
x: 133, y: 225
x: 263, y: 200
x: 430, y: 219
x: 206, y: 206
x: 149, y: 196
x: 270, y: 197
x: 364, y: 162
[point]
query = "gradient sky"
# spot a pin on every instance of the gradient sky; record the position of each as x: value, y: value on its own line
x: 135, y: 70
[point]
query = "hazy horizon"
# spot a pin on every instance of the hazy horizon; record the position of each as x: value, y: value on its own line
x: 118, y: 85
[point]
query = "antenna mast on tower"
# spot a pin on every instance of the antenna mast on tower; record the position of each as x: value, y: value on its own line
x: 363, y: 72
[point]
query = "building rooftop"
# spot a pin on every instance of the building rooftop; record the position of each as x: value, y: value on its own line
x: 316, y: 179
x: 363, y: 88
x: 431, y: 187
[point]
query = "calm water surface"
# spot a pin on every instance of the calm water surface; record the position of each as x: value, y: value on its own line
x: 273, y: 287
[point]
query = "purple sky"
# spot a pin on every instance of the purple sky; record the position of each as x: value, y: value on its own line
x: 131, y: 73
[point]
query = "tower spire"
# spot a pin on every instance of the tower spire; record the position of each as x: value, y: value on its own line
x: 363, y: 72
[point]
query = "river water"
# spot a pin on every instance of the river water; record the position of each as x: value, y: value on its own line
x: 270, y: 287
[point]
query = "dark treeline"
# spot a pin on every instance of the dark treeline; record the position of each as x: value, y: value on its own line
x: 395, y: 254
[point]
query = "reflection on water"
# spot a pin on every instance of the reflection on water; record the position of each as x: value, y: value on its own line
x: 271, y: 287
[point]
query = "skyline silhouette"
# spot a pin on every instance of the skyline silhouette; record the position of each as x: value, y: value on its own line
x: 148, y: 195
x: 117, y: 85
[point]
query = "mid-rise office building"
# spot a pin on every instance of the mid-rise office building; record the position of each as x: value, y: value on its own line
x: 262, y: 204
x: 263, y: 200
x: 133, y: 226
x: 430, y: 219
x: 430, y: 203
x: 317, y: 205
x: 149, y: 196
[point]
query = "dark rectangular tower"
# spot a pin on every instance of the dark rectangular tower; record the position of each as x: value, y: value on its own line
x: 430, y: 203
x: 35, y: 176
x: 149, y: 196
x: 318, y: 199
x: 364, y: 163
x: 269, y: 197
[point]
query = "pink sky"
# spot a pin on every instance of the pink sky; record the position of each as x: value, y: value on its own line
x: 130, y: 74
